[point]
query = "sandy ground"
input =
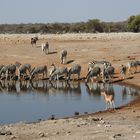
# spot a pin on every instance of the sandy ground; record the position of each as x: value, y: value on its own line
x: 118, y: 48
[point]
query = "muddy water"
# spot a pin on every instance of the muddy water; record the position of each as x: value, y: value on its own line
x: 40, y: 100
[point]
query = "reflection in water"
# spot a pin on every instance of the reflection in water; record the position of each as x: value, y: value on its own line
x: 42, y: 86
x: 128, y: 91
x: 64, y: 88
x: 94, y: 90
x: 108, y: 91
x: 41, y: 99
x: 124, y: 92
x: 72, y: 88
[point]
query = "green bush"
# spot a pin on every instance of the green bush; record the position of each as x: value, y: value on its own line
x: 134, y: 23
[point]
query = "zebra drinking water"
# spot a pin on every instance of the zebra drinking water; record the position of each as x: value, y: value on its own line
x: 76, y: 69
x: 23, y: 69
x: 59, y: 72
x: 39, y: 70
x: 95, y: 72
x: 100, y: 64
x: 107, y: 73
x: 8, y: 71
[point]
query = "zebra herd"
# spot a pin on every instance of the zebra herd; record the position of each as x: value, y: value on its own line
x: 105, y: 70
x: 97, y: 70
x: 20, y: 71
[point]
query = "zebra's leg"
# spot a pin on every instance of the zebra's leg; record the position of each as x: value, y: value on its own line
x: 106, y: 105
x: 65, y: 60
x: 47, y: 51
x: 18, y: 74
x: 57, y: 77
x: 61, y: 60
x: 128, y: 70
x: 113, y: 104
x: 7, y: 74
x: 43, y: 75
x: 78, y: 76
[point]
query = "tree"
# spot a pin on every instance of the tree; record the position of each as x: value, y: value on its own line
x: 133, y: 23
x: 94, y: 25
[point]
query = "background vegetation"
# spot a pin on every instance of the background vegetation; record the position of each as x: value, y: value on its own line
x: 91, y: 26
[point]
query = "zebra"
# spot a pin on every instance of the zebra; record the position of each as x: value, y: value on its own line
x: 75, y: 69
x: 52, y: 69
x: 8, y: 71
x: 107, y: 73
x: 1, y: 66
x: 45, y: 48
x: 133, y: 64
x: 63, y: 56
x: 38, y: 70
x: 22, y: 70
x: 95, y: 72
x: 100, y: 64
x: 59, y: 72
x: 123, y: 71
x: 3, y: 71
x: 34, y: 40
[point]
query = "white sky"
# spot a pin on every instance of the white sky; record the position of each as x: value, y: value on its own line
x: 48, y: 11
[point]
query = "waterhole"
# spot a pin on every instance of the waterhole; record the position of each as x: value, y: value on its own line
x: 30, y: 101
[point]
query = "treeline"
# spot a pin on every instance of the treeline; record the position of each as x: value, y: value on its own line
x: 91, y: 26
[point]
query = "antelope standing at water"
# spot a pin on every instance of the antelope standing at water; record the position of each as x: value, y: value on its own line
x: 109, y: 99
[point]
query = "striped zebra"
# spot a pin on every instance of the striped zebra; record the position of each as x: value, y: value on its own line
x: 63, y: 56
x: 133, y: 65
x: 51, y: 69
x: 8, y: 71
x: 23, y: 69
x: 59, y: 72
x: 75, y: 69
x: 107, y: 73
x: 45, y: 48
x: 38, y: 70
x: 95, y: 63
x: 95, y: 72
x: 123, y: 69
x: 34, y: 40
